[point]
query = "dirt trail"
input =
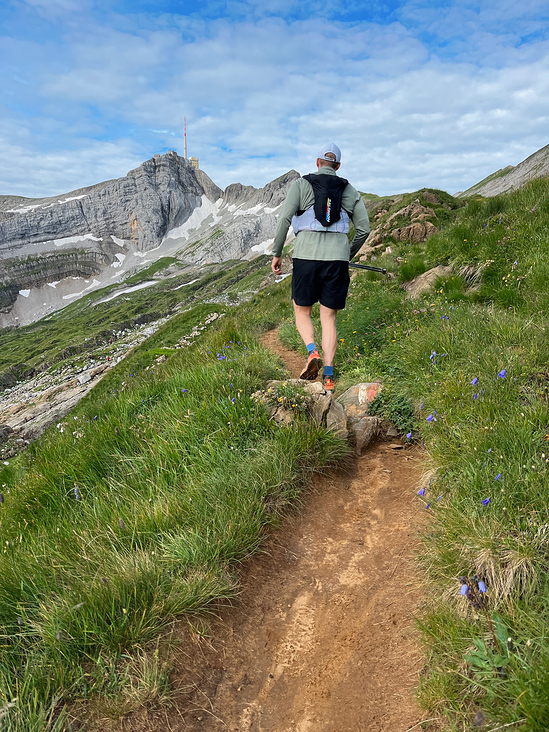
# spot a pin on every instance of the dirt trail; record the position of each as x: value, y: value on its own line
x: 322, y: 638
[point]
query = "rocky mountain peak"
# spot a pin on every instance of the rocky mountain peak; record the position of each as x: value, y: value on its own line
x: 55, y: 249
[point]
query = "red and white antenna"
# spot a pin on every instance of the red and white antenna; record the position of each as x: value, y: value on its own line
x: 185, y: 138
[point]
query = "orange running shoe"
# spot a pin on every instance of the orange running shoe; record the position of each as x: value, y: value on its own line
x: 328, y: 383
x: 312, y: 367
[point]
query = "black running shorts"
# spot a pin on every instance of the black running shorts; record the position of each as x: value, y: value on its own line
x: 314, y: 280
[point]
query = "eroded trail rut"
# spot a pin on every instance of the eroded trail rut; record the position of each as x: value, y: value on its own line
x: 322, y: 638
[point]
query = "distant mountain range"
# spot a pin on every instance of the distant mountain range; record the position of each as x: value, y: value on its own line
x: 55, y: 250
x: 511, y: 177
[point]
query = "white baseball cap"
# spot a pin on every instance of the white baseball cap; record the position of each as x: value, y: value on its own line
x: 330, y: 147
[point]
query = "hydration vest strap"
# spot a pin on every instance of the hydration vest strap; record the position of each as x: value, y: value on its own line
x: 307, y: 221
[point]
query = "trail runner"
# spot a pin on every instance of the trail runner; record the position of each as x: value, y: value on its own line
x: 319, y: 207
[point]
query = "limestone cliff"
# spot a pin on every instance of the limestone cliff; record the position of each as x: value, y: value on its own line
x: 53, y: 250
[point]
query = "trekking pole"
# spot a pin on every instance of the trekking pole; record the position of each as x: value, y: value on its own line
x: 365, y: 266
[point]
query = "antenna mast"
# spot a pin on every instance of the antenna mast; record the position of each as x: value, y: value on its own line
x: 185, y: 137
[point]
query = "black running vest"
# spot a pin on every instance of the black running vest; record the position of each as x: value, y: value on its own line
x: 328, y: 190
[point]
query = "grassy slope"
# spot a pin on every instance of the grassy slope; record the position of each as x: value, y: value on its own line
x: 85, y: 326
x: 466, y: 373
x: 139, y: 508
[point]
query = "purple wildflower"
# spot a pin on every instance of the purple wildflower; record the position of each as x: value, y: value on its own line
x: 474, y: 381
x: 481, y: 586
x: 463, y: 589
x: 485, y: 501
x: 409, y: 435
x: 430, y: 418
x: 498, y: 476
x: 183, y: 391
x: 421, y: 492
x: 502, y: 373
x: 475, y: 395
x: 428, y: 506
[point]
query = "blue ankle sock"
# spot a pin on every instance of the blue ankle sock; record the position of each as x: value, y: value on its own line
x: 310, y: 348
x: 328, y: 371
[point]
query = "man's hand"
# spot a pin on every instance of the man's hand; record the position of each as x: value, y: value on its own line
x: 276, y: 265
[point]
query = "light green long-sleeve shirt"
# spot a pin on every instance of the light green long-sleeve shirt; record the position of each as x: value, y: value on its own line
x: 322, y: 245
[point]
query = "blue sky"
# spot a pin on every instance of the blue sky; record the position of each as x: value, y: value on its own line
x: 418, y: 93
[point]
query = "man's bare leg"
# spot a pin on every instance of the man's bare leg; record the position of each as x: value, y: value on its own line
x: 329, y: 334
x: 304, y: 324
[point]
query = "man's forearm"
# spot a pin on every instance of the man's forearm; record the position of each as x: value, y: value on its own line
x: 285, y: 215
x: 358, y: 240
x: 362, y: 225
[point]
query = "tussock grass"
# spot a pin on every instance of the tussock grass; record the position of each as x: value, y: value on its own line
x: 472, y: 357
x: 466, y: 374
x: 137, y: 510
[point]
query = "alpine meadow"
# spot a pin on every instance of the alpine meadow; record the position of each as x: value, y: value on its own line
x: 136, y: 510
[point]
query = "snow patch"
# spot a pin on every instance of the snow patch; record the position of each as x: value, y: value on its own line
x: 195, y: 219
x: 71, y: 198
x: 263, y: 247
x: 186, y: 283
x: 78, y: 294
x: 127, y: 290
x: 53, y: 284
x: 118, y: 241
x: 76, y: 239
x: 25, y: 293
x: 246, y: 211
x: 121, y: 258
x: 24, y: 209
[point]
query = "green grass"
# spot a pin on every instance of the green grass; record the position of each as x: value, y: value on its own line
x: 139, y: 508
x: 87, y: 325
x: 176, y: 487
x: 149, y: 272
x: 465, y: 369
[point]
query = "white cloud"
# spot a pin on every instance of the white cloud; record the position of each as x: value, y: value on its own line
x: 54, y: 7
x: 24, y: 173
x: 259, y: 96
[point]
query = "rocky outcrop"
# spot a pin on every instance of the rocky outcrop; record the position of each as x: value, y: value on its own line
x: 414, y: 233
x: 410, y: 223
x: 141, y: 207
x: 424, y: 282
x: 242, y: 224
x: 347, y: 415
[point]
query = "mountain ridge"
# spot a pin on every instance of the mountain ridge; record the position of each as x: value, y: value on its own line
x: 54, y: 250
x: 511, y: 177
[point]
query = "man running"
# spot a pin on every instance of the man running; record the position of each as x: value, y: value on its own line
x: 319, y: 206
